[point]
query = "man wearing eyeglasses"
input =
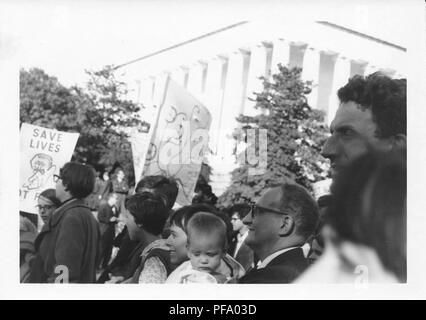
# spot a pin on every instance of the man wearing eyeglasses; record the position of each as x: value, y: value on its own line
x: 279, y: 224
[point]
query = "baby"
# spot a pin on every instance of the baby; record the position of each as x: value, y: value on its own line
x: 207, y: 244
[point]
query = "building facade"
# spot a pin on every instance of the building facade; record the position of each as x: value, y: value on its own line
x: 222, y: 70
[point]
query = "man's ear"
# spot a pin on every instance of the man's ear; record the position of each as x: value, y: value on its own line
x: 287, y: 226
x: 399, y: 141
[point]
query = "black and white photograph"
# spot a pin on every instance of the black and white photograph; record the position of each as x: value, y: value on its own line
x: 210, y: 149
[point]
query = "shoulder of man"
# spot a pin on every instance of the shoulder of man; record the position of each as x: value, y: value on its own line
x: 271, y: 274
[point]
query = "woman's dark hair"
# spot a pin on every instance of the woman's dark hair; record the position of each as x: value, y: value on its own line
x: 149, y: 211
x: 78, y: 179
x: 369, y: 207
x: 50, y: 194
x: 159, y: 185
x: 182, y: 215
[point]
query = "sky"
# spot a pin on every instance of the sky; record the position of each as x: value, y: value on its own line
x: 64, y: 38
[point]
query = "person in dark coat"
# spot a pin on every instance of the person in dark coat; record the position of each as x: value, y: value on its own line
x: 118, y: 185
x: 107, y: 218
x: 279, y: 224
x: 238, y: 249
x: 68, y: 245
x: 93, y: 201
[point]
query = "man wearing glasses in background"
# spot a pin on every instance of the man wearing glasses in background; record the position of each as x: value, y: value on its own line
x: 279, y: 224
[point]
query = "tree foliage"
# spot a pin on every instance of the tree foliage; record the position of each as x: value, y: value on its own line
x: 295, y: 134
x: 100, y: 112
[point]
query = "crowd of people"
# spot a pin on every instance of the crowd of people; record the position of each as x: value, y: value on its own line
x: 100, y: 231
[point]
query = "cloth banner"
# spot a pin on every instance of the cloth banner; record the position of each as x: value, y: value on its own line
x: 179, y: 140
x: 140, y: 143
x: 42, y: 153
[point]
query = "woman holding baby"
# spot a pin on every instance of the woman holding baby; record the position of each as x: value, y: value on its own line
x: 198, y: 242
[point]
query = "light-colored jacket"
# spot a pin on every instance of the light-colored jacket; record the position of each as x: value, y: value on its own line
x: 230, y: 269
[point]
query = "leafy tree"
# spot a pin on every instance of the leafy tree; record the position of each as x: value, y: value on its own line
x: 100, y: 113
x: 45, y: 102
x: 295, y: 134
x: 110, y: 119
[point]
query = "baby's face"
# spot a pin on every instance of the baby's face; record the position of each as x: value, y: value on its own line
x: 205, y: 252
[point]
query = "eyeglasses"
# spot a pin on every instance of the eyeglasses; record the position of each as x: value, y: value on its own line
x: 56, y: 178
x: 256, y: 209
x: 45, y: 207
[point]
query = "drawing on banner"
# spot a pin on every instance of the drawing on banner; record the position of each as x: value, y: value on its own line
x: 179, y: 141
x: 43, y: 170
x: 43, y: 152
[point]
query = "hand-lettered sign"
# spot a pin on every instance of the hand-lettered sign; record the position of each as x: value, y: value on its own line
x: 42, y: 153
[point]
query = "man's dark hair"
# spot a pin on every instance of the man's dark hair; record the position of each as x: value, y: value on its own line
x: 369, y: 207
x: 149, y: 211
x: 208, y: 223
x: 384, y: 96
x: 159, y: 185
x: 78, y: 179
x: 242, y: 209
x: 298, y: 203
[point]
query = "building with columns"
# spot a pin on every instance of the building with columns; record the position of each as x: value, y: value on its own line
x: 222, y: 70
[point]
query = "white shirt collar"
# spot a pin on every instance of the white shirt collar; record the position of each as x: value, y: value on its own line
x: 243, y: 236
x: 240, y: 242
x: 268, y: 259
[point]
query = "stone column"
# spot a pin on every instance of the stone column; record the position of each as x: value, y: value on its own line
x: 160, y: 86
x: 358, y: 67
x: 310, y: 72
x: 195, y: 79
x: 269, y: 46
x: 185, y: 71
x: 212, y: 97
x: 246, y: 55
x: 255, y: 85
x: 179, y: 75
x: 153, y: 85
x: 221, y: 159
x: 145, y: 91
x: 341, y: 75
x: 297, y: 51
x: 280, y: 54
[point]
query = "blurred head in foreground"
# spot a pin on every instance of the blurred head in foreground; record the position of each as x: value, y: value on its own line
x: 366, y: 228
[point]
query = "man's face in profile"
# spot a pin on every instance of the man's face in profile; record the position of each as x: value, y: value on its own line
x: 353, y: 133
x: 264, y: 225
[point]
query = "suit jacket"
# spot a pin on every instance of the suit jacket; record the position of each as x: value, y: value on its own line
x: 70, y: 239
x: 284, y: 268
x: 245, y: 256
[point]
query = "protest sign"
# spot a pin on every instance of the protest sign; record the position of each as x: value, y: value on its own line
x: 42, y: 153
x: 179, y: 141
